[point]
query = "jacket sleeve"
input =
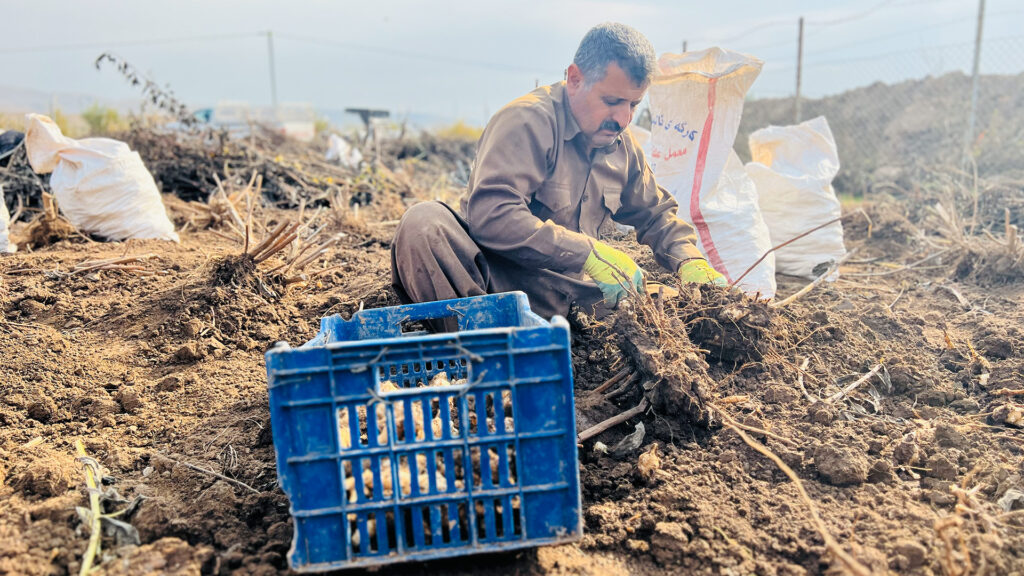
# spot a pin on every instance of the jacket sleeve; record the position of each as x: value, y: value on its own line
x: 512, y: 162
x: 652, y: 211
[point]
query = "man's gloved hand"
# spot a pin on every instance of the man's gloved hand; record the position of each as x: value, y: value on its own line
x: 699, y: 271
x: 613, y: 280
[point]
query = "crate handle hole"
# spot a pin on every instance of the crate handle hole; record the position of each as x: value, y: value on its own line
x: 436, y: 325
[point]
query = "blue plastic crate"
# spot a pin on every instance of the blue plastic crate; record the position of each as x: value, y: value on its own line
x: 369, y: 485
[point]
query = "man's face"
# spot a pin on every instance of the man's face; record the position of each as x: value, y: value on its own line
x: 604, y: 109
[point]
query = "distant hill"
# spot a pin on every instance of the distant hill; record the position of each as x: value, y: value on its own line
x: 882, y: 129
x: 344, y: 120
x: 22, y: 100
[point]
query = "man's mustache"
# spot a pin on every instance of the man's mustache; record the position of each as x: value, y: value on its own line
x: 611, y: 125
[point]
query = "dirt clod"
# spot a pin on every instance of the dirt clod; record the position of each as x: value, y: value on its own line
x: 43, y: 409
x: 169, y: 383
x: 906, y: 452
x: 190, y: 352
x: 129, y: 399
x: 193, y: 328
x: 48, y: 474
x: 911, y: 554
x: 840, y: 466
x: 941, y: 467
x: 821, y: 413
x: 948, y: 436
x: 669, y: 541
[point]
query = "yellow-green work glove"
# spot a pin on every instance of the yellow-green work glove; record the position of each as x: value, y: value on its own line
x: 699, y: 271
x: 614, y: 280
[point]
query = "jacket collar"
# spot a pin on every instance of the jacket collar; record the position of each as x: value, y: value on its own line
x: 571, y: 128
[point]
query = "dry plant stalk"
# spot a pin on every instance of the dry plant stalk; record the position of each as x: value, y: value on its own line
x: 303, y: 253
x: 817, y: 281
x: 849, y: 562
x: 850, y: 388
x: 218, y: 475
x: 222, y: 207
x: 1001, y: 256
x: 799, y: 236
x: 614, y: 420
x: 969, y: 512
x: 49, y: 226
x: 95, y: 529
x: 114, y: 264
x: 1007, y: 392
x: 615, y: 379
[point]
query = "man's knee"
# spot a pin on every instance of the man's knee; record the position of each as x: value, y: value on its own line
x: 427, y: 216
x: 423, y: 225
x: 427, y: 230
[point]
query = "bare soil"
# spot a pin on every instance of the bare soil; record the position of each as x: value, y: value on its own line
x: 161, y: 375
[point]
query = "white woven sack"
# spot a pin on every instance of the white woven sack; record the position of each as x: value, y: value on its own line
x: 731, y: 213
x: 101, y: 185
x: 696, y: 105
x: 5, y: 226
x: 793, y: 168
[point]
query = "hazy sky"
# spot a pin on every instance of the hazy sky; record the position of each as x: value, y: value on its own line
x: 466, y: 58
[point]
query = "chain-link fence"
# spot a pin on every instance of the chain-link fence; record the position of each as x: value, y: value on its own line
x: 892, y: 110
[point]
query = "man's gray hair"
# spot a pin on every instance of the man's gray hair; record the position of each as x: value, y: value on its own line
x: 614, y: 42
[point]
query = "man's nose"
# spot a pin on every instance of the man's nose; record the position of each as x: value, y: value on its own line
x: 623, y: 116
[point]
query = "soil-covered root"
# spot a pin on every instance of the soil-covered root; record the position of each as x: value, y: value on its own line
x: 236, y: 270
x: 49, y: 227
x: 674, y: 374
x: 729, y: 325
x: 992, y: 262
x: 239, y: 272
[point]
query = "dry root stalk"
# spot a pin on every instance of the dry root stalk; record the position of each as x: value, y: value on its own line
x: 674, y: 374
x: 968, y: 513
x: 850, y: 388
x: 222, y: 208
x: 984, y: 254
x: 114, y: 264
x: 49, y: 226
x: 301, y: 256
x: 849, y: 562
x: 613, y: 421
x: 227, y: 479
x: 615, y: 379
x: 1008, y: 392
x: 947, y: 529
x: 817, y: 281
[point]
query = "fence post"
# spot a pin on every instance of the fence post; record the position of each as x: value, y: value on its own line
x: 800, y: 67
x: 969, y: 135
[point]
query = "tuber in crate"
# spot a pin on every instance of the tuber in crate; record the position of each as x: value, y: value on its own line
x: 397, y: 445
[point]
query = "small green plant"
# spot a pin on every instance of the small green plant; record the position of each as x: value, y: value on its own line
x: 460, y: 131
x: 321, y: 124
x: 61, y: 120
x: 102, y: 120
x: 11, y: 122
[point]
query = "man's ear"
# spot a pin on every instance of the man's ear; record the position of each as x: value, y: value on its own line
x: 574, y: 77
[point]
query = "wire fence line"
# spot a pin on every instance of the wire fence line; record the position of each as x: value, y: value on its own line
x: 899, y: 108
x: 912, y: 108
